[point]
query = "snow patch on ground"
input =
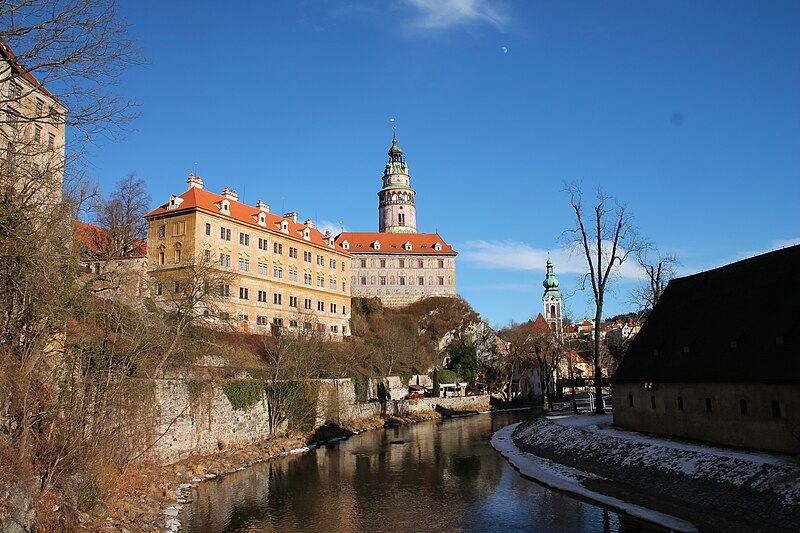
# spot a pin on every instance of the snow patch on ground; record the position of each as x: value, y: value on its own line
x: 568, y: 479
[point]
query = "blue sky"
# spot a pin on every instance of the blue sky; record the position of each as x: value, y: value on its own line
x: 687, y: 112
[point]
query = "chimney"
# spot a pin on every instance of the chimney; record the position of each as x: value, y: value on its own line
x: 309, y: 223
x: 195, y: 181
x: 291, y: 215
x: 262, y: 206
x: 230, y: 194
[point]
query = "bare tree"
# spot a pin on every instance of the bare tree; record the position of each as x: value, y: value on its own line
x: 659, y: 270
x: 534, y: 345
x: 606, y: 236
x: 194, y: 293
x: 122, y: 216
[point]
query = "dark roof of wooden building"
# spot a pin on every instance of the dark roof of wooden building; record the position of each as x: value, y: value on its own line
x: 738, y: 323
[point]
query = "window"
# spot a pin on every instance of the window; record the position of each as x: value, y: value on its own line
x: 382, y: 280
x: 160, y: 258
x: 293, y: 275
x: 420, y: 264
x: 776, y: 408
x: 293, y: 323
x: 307, y: 257
x: 39, y: 108
x: 162, y: 231
x: 307, y: 278
x: 278, y: 322
x: 159, y: 289
x: 402, y: 280
x: 441, y: 263
x: 652, y: 402
x: 244, y: 239
x: 320, y: 281
x: 344, y: 288
x: 680, y: 403
x: 743, y: 407
x: 178, y: 228
x: 421, y: 280
x: 208, y: 228
x: 402, y: 263
x: 12, y: 118
x: 262, y: 244
x: 277, y: 248
x: 363, y: 263
x: 277, y: 299
x: 224, y: 260
x: 383, y: 263
x: 244, y: 293
x: 244, y: 264
x: 262, y: 269
x: 261, y: 320
x: 334, y: 329
x: 332, y: 263
x: 293, y: 252
x: 225, y: 234
x: 307, y: 303
x: 344, y: 309
x: 277, y: 272
x: 333, y: 284
x: 440, y: 280
x: 37, y: 134
x: 320, y: 260
x: 262, y: 296
x: 14, y: 91
x: 402, y: 219
x: 708, y: 405
x: 176, y: 286
x: 292, y: 301
x: 177, y: 255
x: 320, y: 306
x: 333, y: 308
x: 224, y: 290
x: 630, y: 400
x: 342, y: 266
x: 363, y: 280
x: 307, y: 326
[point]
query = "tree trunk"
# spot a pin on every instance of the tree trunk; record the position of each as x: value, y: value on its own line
x: 598, y: 371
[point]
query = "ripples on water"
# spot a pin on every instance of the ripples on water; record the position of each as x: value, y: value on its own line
x: 422, y: 477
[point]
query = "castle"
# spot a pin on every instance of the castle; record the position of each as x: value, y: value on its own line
x: 397, y: 264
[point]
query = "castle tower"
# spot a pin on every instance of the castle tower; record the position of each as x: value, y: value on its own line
x: 552, y: 301
x: 397, y: 213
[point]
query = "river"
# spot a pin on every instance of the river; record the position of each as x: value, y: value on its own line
x: 422, y: 477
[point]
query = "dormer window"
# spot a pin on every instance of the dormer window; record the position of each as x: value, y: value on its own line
x: 376, y: 245
x: 174, y: 202
x: 346, y: 245
x: 407, y: 246
x: 284, y: 226
x: 261, y: 219
x: 307, y: 234
x: 225, y: 207
x: 437, y: 246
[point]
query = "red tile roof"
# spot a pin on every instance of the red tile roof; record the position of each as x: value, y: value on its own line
x: 197, y: 198
x: 6, y: 51
x: 394, y: 243
x: 92, y: 241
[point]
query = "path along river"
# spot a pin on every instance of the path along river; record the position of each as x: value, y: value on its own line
x: 422, y: 477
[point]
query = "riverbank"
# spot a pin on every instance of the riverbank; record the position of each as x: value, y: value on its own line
x: 150, y: 498
x: 682, y: 486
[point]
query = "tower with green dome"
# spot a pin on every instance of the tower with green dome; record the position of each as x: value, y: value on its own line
x: 552, y: 301
x: 396, y: 210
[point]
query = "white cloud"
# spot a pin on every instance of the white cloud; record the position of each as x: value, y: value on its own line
x: 512, y: 255
x: 326, y: 225
x: 445, y: 14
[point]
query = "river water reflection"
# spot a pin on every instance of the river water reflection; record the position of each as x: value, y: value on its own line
x: 422, y: 477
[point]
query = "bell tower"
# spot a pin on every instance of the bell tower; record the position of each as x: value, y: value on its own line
x: 552, y: 301
x: 397, y: 212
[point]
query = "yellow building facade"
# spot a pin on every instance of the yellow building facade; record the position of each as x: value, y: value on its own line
x: 282, y: 275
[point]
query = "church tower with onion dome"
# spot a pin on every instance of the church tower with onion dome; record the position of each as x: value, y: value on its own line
x: 397, y: 212
x: 552, y: 301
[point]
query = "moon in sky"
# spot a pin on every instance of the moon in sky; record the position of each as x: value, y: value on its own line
x: 504, y: 49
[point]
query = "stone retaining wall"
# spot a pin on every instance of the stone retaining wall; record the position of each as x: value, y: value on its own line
x: 196, y: 417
